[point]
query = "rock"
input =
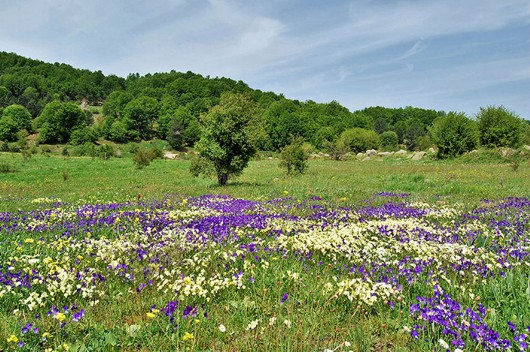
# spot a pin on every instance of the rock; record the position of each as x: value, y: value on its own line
x: 270, y: 158
x: 371, y: 152
x: 527, y: 147
x: 169, y: 155
x: 431, y: 150
x: 401, y: 152
x: 367, y: 158
x: 474, y: 151
x: 360, y: 155
x: 383, y: 154
x: 419, y: 155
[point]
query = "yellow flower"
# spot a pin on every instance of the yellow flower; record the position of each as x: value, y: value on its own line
x: 46, y: 334
x: 12, y: 338
x: 60, y: 316
x: 151, y: 315
x: 65, y: 347
x: 29, y: 240
x: 197, y: 321
x: 187, y: 337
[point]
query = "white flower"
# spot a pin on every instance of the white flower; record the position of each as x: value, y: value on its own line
x: 347, y: 344
x: 287, y: 323
x: 443, y: 344
x: 222, y: 328
x: 272, y: 320
x: 252, y: 325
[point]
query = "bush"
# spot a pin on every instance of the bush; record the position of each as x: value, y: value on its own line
x: 294, y: 157
x: 358, y: 140
x: 83, y: 135
x: 106, y: 151
x: 389, y: 140
x: 6, y: 168
x: 143, y: 157
x: 454, y: 135
x: 499, y: 127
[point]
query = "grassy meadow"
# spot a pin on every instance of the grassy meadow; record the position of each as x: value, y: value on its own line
x: 383, y: 255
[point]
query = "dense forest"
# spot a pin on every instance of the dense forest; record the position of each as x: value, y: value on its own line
x: 62, y: 104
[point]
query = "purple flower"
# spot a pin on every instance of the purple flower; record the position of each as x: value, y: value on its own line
x: 512, y: 326
x: 78, y: 315
x: 26, y: 328
x: 284, y: 298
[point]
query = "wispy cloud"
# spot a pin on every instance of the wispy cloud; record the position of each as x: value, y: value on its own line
x: 360, y: 52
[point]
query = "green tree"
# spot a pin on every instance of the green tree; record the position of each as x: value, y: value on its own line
x: 389, y: 140
x: 20, y: 115
x: 294, y: 156
x: 454, y: 134
x: 358, y: 140
x: 8, y: 129
x: 58, y: 120
x: 184, y: 129
x: 139, y: 115
x: 226, y: 143
x: 499, y: 127
x: 116, y: 102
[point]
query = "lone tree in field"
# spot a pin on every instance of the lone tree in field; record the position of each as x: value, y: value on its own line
x: 226, y: 141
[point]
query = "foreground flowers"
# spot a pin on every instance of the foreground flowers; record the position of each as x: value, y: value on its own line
x: 192, y: 256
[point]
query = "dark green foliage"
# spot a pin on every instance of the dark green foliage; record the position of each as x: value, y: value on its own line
x: 380, y: 125
x: 183, y: 129
x: 116, y: 102
x: 499, y: 127
x: 58, y: 120
x: 139, y: 116
x: 454, y: 135
x: 358, y: 140
x: 294, y: 156
x: 226, y: 140
x: 389, y: 140
x: 414, y: 132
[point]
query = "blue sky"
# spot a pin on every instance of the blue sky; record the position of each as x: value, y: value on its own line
x: 453, y: 55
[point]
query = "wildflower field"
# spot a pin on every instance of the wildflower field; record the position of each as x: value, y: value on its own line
x: 353, y: 256
x: 222, y: 273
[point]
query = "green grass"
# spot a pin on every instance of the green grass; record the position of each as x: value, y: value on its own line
x: 119, y: 321
x: 74, y: 178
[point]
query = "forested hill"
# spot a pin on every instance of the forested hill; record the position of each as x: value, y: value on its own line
x: 44, y: 98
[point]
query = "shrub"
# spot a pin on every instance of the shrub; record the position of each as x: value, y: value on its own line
x: 6, y: 168
x: 83, y: 135
x: 389, y: 140
x: 454, y: 135
x: 294, y: 157
x: 358, y: 140
x: 499, y: 127
x: 143, y: 157
x: 106, y: 151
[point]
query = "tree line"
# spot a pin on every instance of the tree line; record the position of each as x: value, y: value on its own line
x: 44, y: 98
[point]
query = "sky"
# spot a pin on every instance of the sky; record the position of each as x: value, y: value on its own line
x: 451, y: 55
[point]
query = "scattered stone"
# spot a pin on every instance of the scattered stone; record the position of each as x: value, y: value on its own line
x: 474, y: 151
x: 527, y: 147
x: 270, y: 158
x: 383, y: 154
x: 371, y: 152
x: 367, y: 158
x: 419, y: 155
x: 431, y: 150
x: 360, y: 155
x: 401, y: 152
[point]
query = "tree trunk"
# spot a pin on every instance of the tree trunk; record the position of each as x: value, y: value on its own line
x: 222, y: 178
